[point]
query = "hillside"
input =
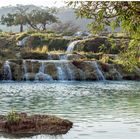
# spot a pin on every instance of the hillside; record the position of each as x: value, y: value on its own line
x: 64, y: 14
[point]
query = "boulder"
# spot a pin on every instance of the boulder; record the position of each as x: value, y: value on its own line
x: 21, y: 123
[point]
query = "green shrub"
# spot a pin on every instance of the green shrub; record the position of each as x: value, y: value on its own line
x: 13, y: 117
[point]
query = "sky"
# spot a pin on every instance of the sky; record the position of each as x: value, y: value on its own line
x: 49, y: 3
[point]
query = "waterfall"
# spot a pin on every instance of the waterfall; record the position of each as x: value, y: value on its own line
x: 41, y: 74
x: 99, y: 73
x: 64, y: 71
x: 7, y: 71
x: 42, y: 67
x: 25, y: 76
x: 61, y: 73
x: 23, y: 41
x: 24, y: 67
x: 71, y: 46
x: 49, y: 56
x: 63, y: 57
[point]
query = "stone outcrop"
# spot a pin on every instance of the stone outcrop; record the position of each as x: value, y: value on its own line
x: 65, y: 70
x: 21, y: 123
x: 102, y: 44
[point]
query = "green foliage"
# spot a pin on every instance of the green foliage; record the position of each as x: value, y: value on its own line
x: 12, y: 117
x: 8, y: 20
x: 36, y: 19
x: 17, y: 18
x: 102, y: 48
x: 113, y: 43
x: 123, y: 14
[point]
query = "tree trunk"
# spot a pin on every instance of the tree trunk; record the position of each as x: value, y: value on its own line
x: 21, y: 27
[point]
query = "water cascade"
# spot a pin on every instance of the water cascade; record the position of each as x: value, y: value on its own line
x: 25, y: 76
x: 42, y: 67
x: 22, y: 42
x: 99, y: 73
x: 59, y: 70
x: 41, y: 74
x: 71, y: 46
x: 49, y: 56
x: 63, y: 57
x: 64, y: 70
x: 60, y: 73
x: 7, y: 71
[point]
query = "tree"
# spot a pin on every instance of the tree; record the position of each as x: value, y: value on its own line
x: 67, y: 28
x: 17, y: 18
x: 123, y: 14
x: 36, y: 19
x: 40, y: 18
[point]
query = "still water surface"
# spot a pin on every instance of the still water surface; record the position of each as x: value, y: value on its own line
x: 109, y: 109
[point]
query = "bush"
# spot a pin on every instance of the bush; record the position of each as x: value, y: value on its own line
x: 13, y: 117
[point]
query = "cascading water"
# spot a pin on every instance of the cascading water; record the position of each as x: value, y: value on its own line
x: 41, y: 74
x: 99, y: 73
x: 58, y: 70
x: 7, y: 71
x: 60, y: 73
x: 64, y: 71
x: 25, y: 76
x: 49, y: 56
x: 63, y: 57
x: 71, y: 46
x: 42, y: 67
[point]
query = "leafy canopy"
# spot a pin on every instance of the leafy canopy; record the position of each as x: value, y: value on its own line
x: 36, y: 18
x: 39, y: 18
x: 123, y: 14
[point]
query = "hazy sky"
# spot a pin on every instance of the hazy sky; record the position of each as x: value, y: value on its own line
x: 49, y: 3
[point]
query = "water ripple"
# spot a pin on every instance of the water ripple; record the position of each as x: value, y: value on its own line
x: 98, y: 109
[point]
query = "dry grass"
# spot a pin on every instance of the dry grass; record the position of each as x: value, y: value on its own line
x: 57, y: 52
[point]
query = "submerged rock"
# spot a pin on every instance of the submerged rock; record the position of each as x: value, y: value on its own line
x: 35, y: 124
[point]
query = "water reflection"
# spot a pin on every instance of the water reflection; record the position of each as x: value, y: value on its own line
x: 98, y: 109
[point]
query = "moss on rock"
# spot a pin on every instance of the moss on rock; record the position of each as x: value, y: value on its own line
x: 34, y: 124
